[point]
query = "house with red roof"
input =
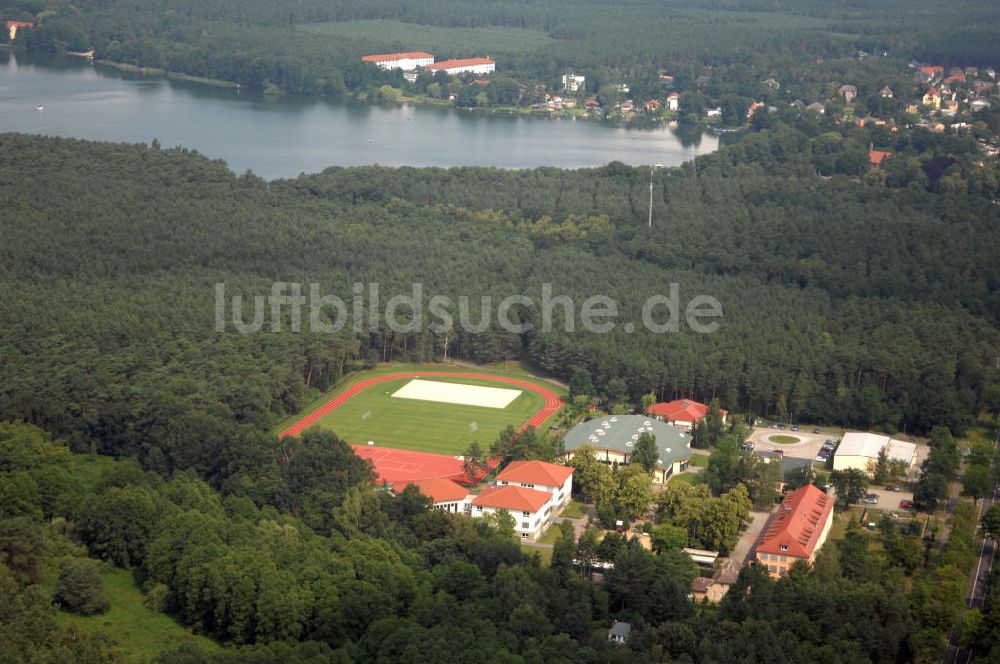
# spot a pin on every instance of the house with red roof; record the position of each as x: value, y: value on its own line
x: 444, y: 494
x: 683, y: 413
x: 797, y: 530
x: 407, y: 61
x: 531, y: 508
x: 14, y: 26
x: 876, y: 157
x: 551, y: 478
x: 465, y: 66
x: 932, y: 98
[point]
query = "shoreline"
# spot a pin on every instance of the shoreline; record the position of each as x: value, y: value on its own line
x: 163, y: 73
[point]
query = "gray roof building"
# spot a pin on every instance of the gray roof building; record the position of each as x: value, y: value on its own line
x: 619, y: 433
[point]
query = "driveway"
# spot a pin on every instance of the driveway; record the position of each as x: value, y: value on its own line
x: 748, y: 540
x: 797, y: 454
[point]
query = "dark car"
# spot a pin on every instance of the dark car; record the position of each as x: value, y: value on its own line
x: 872, y: 499
x: 891, y: 487
x: 781, y: 426
x: 816, y: 430
x: 747, y: 446
x: 906, y: 504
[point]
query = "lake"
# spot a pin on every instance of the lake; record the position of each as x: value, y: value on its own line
x: 282, y: 137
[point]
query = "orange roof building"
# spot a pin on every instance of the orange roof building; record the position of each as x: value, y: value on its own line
x: 445, y: 494
x: 466, y: 66
x: 551, y: 478
x: 531, y: 509
x: 684, y: 413
x: 797, y: 530
x: 14, y: 26
x: 407, y: 61
x: 876, y: 157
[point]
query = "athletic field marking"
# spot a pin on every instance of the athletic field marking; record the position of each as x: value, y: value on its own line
x: 552, y: 401
x: 457, y: 393
x: 365, y: 416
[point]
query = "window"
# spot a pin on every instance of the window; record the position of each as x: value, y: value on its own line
x: 479, y: 508
x: 774, y: 569
x: 784, y: 547
x: 784, y: 559
x: 503, y: 482
x: 525, y: 525
x: 526, y: 514
x: 528, y: 486
x: 524, y: 535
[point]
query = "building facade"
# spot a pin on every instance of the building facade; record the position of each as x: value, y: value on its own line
x: 683, y: 413
x: 797, y: 530
x: 466, y: 66
x: 542, y: 476
x: 613, y: 439
x: 532, y: 509
x: 445, y: 495
x: 861, y: 451
x: 407, y: 61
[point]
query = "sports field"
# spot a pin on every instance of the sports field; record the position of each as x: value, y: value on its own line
x: 364, y: 409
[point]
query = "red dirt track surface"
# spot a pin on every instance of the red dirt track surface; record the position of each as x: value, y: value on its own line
x: 393, y: 465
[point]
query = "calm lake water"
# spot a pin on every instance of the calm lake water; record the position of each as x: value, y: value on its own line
x: 287, y: 136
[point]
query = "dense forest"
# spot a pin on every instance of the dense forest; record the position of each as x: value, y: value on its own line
x: 329, y: 569
x: 283, y: 47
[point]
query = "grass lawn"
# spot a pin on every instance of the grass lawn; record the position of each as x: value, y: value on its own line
x: 685, y: 478
x: 699, y: 460
x: 545, y: 553
x: 444, y: 42
x: 428, y: 426
x: 782, y: 439
x: 140, y: 633
x: 841, y: 519
x: 574, y: 510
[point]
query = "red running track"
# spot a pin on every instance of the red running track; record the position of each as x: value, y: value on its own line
x: 552, y: 401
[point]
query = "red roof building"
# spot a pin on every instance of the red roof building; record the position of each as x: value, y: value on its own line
x: 539, y: 473
x: 797, y: 531
x: 681, y: 412
x: 14, y: 26
x: 407, y: 61
x: 512, y: 498
x: 876, y: 157
x: 438, y: 490
x: 466, y: 66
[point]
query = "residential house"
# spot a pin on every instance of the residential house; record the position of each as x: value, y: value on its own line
x: 652, y: 106
x: 816, y: 107
x: 949, y: 108
x: 847, y: 93
x: 886, y: 92
x: 754, y: 107
x: 541, y: 476
x: 876, y: 157
x: 464, y: 66
x: 932, y: 99
x: 711, y: 590
x: 683, y: 413
x: 861, y: 450
x: 531, y: 508
x: 14, y: 26
x: 407, y: 61
x: 979, y: 104
x: 444, y: 494
x: 673, y: 101
x: 714, y: 112
x: 771, y: 84
x: 619, y: 633
x: 797, y: 530
x: 932, y: 72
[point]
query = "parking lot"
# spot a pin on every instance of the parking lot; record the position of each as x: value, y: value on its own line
x: 804, y: 453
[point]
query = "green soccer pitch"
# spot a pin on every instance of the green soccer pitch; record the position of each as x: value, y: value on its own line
x: 373, y: 414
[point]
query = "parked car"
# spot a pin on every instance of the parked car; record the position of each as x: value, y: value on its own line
x: 747, y: 446
x: 781, y: 426
x: 822, y: 457
x: 891, y: 487
x: 795, y: 427
x: 906, y: 504
x: 829, y: 444
x: 872, y: 499
x: 816, y: 430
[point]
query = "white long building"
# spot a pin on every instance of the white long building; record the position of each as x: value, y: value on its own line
x: 861, y: 450
x: 466, y: 66
x: 406, y: 61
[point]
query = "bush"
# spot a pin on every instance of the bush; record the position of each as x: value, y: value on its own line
x: 81, y: 589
